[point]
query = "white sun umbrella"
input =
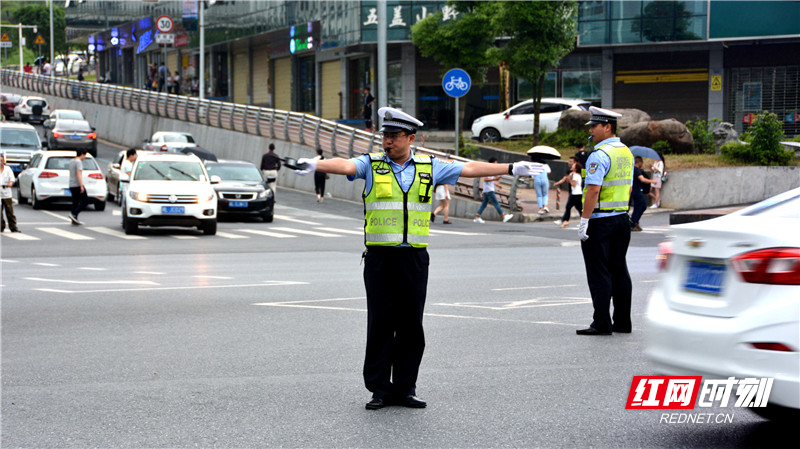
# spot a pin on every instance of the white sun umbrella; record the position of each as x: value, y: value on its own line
x: 544, y: 152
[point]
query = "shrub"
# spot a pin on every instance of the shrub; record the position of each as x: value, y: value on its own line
x: 703, y: 134
x: 737, y: 152
x: 662, y: 146
x: 765, y: 146
x: 565, y: 138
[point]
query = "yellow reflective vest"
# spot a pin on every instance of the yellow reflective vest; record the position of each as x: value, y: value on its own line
x: 615, y: 192
x: 394, y: 217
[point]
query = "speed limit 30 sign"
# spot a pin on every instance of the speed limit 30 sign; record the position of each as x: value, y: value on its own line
x: 164, y: 24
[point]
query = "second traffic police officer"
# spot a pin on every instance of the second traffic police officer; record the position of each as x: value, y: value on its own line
x: 397, y: 207
x: 605, y: 229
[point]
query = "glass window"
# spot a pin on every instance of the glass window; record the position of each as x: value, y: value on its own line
x: 626, y: 31
x: 180, y: 138
x: 394, y: 84
x: 18, y: 138
x: 62, y: 163
x: 592, y: 33
x: 593, y: 10
x: 525, y: 89
x: 247, y: 173
x: 583, y: 84
x: 168, y: 171
x: 524, y: 109
x: 73, y: 126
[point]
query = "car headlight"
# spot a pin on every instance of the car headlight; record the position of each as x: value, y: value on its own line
x: 477, y: 120
x: 138, y: 196
x: 265, y: 194
x: 210, y: 196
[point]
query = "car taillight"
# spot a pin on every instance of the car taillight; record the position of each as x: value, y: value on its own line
x: 58, y: 134
x: 96, y: 175
x: 772, y: 347
x: 92, y: 135
x: 48, y: 174
x: 769, y: 266
x: 164, y: 148
x: 664, y: 253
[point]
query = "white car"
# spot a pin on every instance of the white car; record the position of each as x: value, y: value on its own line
x: 518, y: 120
x: 169, y: 142
x: 46, y: 180
x: 32, y: 109
x: 728, y: 304
x: 169, y: 189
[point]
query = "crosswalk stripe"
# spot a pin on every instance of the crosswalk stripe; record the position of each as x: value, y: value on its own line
x: 268, y: 234
x: 19, y: 236
x: 306, y: 232
x: 297, y: 220
x: 437, y: 231
x: 183, y: 237
x: 343, y: 231
x: 231, y: 236
x: 65, y: 234
x: 115, y: 233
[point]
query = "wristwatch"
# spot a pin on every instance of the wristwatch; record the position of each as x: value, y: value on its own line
x: 510, y: 169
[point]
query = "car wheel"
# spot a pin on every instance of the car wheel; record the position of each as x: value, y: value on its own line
x: 490, y: 135
x: 100, y: 206
x: 35, y: 202
x: 268, y: 217
x: 131, y: 225
x: 209, y: 227
x: 21, y: 199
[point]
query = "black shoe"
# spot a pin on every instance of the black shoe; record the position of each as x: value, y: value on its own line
x: 412, y: 401
x: 591, y: 331
x: 433, y: 218
x: 15, y: 230
x: 376, y: 404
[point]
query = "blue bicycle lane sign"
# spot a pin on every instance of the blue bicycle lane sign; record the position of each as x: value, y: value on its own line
x: 456, y: 83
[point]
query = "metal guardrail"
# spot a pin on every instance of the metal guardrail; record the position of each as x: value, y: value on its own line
x: 305, y: 129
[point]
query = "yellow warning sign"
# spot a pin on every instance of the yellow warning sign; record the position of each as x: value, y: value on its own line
x: 716, y: 82
x: 5, y: 38
x: 39, y: 40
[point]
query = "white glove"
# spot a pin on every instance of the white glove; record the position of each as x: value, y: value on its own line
x: 582, y: 229
x: 311, y: 166
x: 525, y: 168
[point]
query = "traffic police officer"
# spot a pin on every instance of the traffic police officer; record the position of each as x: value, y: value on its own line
x: 397, y: 207
x: 605, y: 230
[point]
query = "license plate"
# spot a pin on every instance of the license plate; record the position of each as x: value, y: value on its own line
x: 704, y: 277
x: 172, y: 209
x: 237, y: 203
x: 75, y: 137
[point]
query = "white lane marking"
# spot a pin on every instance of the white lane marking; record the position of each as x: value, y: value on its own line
x: 297, y: 220
x: 306, y: 232
x: 343, y: 231
x: 72, y: 281
x: 59, y: 216
x: 115, y: 233
x: 268, y: 234
x: 231, y: 236
x: 191, y: 287
x: 650, y: 281
x: 437, y: 231
x: 202, y: 276
x: 116, y: 213
x: 93, y: 269
x: 45, y: 264
x: 565, y: 244
x: 66, y: 234
x: 147, y: 272
x: 532, y: 287
x: 9, y: 261
x: 20, y: 236
x: 183, y: 237
x: 524, y: 304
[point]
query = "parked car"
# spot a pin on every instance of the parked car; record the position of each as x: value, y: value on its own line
x: 7, y: 103
x: 169, y: 141
x: 168, y: 189
x: 728, y: 304
x: 518, y: 120
x: 46, y: 180
x: 19, y: 141
x: 32, y: 109
x: 113, y: 176
x: 242, y: 189
x: 71, y: 135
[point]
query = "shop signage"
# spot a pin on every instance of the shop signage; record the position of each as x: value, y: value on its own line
x: 400, y: 16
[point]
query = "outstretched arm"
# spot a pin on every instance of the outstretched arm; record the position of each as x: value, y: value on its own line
x: 481, y: 169
x: 337, y: 166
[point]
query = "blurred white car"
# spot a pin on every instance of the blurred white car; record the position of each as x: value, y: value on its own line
x: 728, y: 304
x: 169, y: 141
x: 169, y: 189
x: 518, y: 120
x: 46, y: 180
x: 32, y: 109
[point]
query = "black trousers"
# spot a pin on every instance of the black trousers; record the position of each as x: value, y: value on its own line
x: 396, y: 280
x: 604, y: 255
x: 79, y: 201
x: 573, y: 201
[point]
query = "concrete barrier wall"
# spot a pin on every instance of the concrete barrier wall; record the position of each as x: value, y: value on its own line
x: 685, y: 190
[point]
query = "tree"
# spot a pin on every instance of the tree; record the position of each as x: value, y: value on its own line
x: 539, y: 35
x: 39, y: 15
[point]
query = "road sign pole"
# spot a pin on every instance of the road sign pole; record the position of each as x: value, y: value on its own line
x: 458, y: 132
x: 20, y: 49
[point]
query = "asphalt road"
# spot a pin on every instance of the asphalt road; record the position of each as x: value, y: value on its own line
x: 255, y: 338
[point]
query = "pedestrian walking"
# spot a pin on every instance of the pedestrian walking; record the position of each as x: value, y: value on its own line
x: 78, y: 191
x: 442, y: 194
x: 366, y: 110
x: 573, y: 178
x: 270, y: 164
x: 541, y: 183
x: 6, y: 197
x: 605, y: 230
x: 637, y: 193
x: 397, y: 202
x: 489, y: 196
x: 162, y: 77
x: 320, y: 178
x: 655, y: 191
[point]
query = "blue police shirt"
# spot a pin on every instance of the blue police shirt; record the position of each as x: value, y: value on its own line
x: 597, y: 166
x: 443, y: 172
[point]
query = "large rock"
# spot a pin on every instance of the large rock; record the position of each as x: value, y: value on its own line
x: 648, y: 133
x: 723, y: 134
x: 574, y: 119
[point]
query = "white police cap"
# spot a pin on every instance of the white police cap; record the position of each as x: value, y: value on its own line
x: 600, y: 115
x: 395, y: 120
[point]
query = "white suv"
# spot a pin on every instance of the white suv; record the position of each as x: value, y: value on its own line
x: 169, y: 189
x: 518, y: 120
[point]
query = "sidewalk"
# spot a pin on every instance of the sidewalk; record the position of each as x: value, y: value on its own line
x: 526, y: 198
